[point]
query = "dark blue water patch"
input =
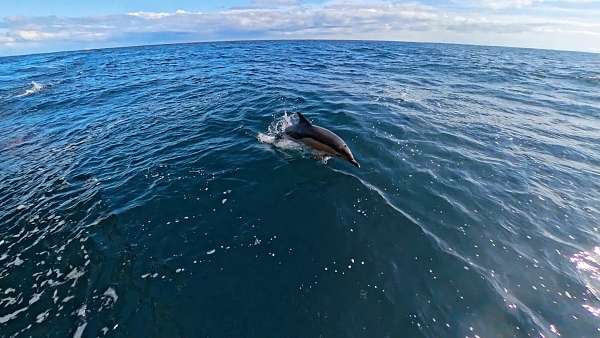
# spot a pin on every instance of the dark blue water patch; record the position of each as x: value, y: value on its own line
x: 137, y: 200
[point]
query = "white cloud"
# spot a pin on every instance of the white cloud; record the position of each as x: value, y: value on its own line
x: 503, y: 4
x: 6, y: 39
x: 150, y: 15
x: 273, y: 19
x: 273, y: 3
x: 33, y: 35
x: 160, y: 15
x: 518, y: 4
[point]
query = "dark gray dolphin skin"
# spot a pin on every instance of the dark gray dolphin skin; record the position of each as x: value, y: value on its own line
x: 320, y: 139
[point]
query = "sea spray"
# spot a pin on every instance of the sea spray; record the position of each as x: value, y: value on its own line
x: 35, y: 87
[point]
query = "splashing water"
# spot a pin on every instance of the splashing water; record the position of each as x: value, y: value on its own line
x: 275, y: 133
x: 275, y: 136
x: 35, y: 87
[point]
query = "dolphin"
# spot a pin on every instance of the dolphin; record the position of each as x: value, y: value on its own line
x: 320, y: 139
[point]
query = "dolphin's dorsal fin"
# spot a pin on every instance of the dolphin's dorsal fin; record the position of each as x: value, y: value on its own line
x: 303, y: 120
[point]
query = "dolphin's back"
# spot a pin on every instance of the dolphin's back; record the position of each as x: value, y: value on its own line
x: 296, y: 131
x: 307, y: 132
x: 327, y: 136
x: 319, y: 138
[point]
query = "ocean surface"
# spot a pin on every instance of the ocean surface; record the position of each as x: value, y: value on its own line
x: 144, y: 192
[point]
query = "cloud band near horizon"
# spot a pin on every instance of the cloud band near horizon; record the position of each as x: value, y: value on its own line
x: 487, y: 22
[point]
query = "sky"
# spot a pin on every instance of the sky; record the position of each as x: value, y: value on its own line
x: 37, y: 26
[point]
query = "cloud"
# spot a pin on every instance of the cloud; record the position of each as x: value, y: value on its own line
x: 523, y: 4
x: 272, y: 3
x: 273, y: 19
x: 152, y: 15
x: 503, y: 4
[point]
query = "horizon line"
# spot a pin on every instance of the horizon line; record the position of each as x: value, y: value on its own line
x: 292, y: 40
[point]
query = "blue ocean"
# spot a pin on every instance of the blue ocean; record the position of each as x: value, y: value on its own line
x: 144, y: 192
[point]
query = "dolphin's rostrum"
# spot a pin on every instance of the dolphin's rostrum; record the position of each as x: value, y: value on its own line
x: 320, y: 139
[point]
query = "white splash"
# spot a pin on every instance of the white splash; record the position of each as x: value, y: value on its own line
x: 275, y: 133
x: 35, y: 87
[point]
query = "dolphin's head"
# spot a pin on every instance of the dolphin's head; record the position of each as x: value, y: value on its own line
x: 347, y: 154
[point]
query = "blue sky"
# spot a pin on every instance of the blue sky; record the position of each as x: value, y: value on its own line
x: 32, y: 26
x: 96, y: 7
